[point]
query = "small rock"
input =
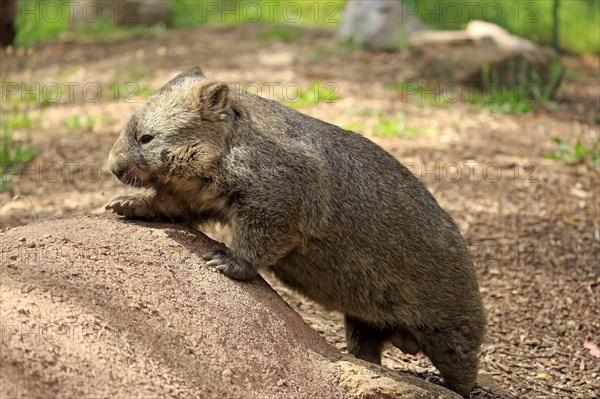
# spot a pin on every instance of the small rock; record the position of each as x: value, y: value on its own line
x: 281, y: 383
x: 459, y: 56
x: 226, y: 374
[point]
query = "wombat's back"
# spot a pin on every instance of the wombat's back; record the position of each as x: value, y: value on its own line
x: 390, y: 252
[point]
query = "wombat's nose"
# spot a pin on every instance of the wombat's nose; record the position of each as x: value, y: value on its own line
x: 115, y: 167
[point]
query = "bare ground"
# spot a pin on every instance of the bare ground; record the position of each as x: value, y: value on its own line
x: 103, y: 307
x: 532, y: 224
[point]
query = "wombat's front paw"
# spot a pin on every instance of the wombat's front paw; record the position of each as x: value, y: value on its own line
x: 133, y: 206
x: 223, y: 261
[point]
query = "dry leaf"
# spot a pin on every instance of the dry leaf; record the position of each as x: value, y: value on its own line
x: 544, y: 376
x: 594, y: 351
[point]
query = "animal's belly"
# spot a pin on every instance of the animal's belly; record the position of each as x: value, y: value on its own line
x: 362, y: 292
x: 319, y: 287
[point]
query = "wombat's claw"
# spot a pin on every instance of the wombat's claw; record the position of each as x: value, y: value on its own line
x: 130, y: 206
x: 225, y: 263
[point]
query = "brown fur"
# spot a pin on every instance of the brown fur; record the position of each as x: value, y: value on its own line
x: 329, y: 212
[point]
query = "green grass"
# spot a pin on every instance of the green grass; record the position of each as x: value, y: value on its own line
x: 144, y: 91
x: 419, y: 93
x: 12, y: 154
x: 546, y: 89
x: 20, y: 120
x: 128, y: 91
x: 340, y: 49
x: 43, y: 20
x: 130, y: 72
x: 397, y: 127
x: 191, y: 13
x: 579, y: 19
x: 85, y: 122
x: 524, y: 97
x: 279, y: 33
x: 37, y: 22
x: 296, y: 97
x: 80, y: 122
x: 15, y: 115
x: 576, y: 154
x: 506, y: 100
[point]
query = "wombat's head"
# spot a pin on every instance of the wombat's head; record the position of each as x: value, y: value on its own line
x: 179, y: 133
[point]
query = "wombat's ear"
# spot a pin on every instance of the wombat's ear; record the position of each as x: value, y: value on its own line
x: 211, y: 95
x: 192, y: 72
x: 195, y: 71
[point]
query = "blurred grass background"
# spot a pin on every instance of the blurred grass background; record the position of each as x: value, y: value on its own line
x: 579, y: 19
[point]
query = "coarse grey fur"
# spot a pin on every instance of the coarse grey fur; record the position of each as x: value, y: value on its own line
x: 333, y: 215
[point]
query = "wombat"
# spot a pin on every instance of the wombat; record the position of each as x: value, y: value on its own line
x: 329, y: 212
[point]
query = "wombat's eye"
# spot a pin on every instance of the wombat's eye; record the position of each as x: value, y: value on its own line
x: 146, y: 138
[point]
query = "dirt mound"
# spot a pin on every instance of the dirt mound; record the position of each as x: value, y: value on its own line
x: 104, y: 307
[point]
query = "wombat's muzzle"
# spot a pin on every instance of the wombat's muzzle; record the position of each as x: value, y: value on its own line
x: 121, y: 169
x: 120, y: 173
x: 131, y: 176
x: 127, y: 172
x: 117, y: 168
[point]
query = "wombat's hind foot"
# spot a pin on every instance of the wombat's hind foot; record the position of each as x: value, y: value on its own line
x: 225, y: 262
x: 365, y: 341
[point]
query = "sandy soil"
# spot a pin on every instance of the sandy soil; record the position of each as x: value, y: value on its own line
x: 100, y: 307
x: 532, y: 224
x: 159, y: 325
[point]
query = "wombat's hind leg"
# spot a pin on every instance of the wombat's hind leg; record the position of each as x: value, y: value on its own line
x: 404, y: 340
x: 365, y: 341
x: 455, y: 355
